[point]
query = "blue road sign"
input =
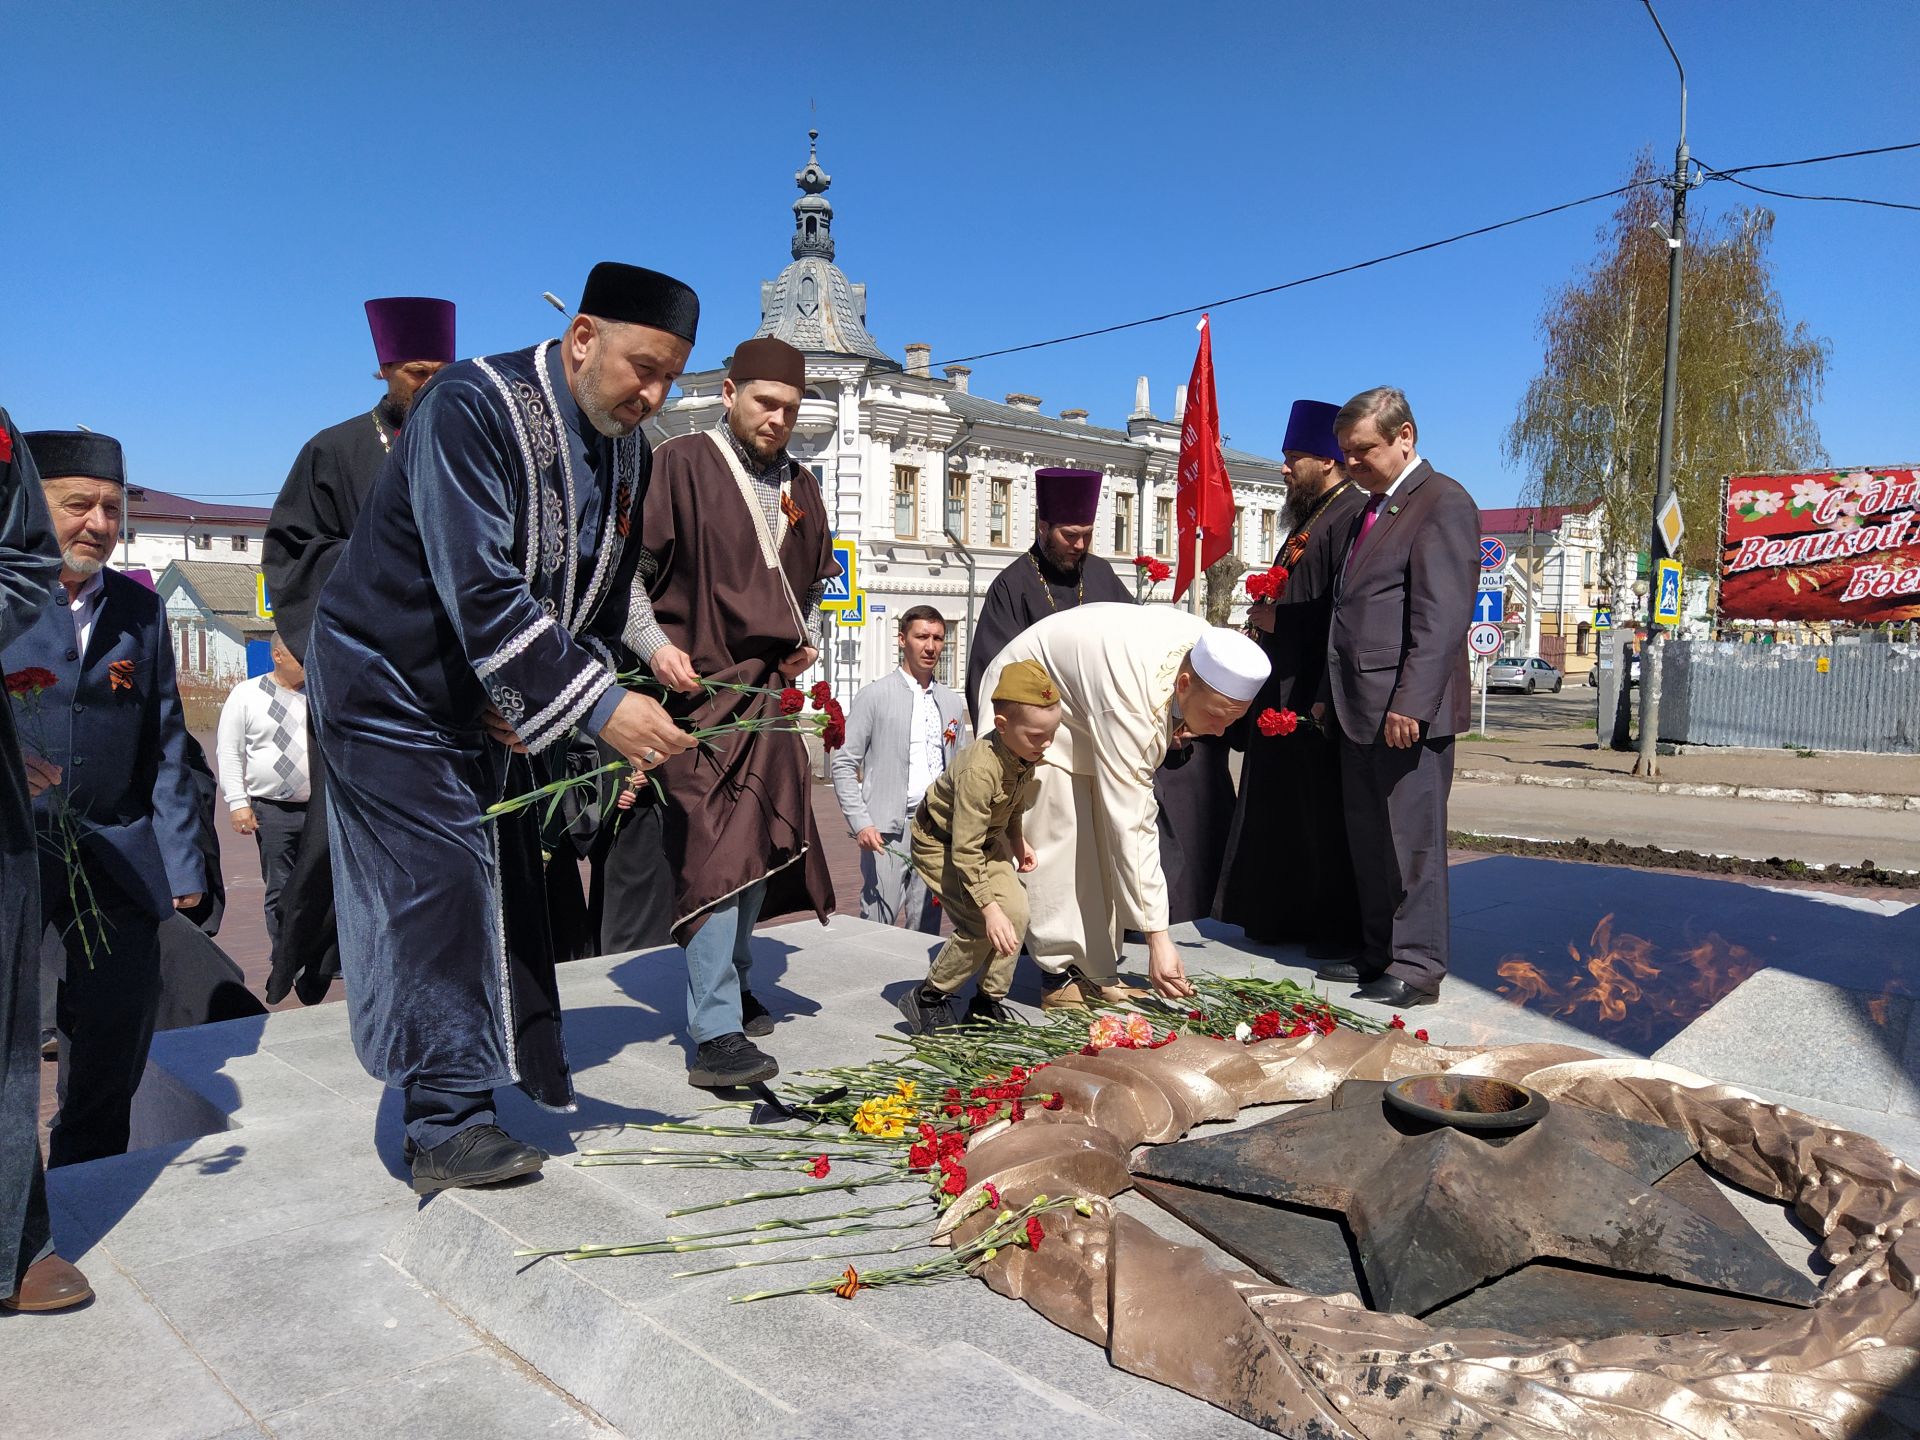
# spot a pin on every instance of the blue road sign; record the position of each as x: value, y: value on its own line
x: 854, y: 612
x: 1666, y: 606
x: 841, y: 588
x: 1492, y: 553
x: 1490, y: 606
x: 1603, y: 618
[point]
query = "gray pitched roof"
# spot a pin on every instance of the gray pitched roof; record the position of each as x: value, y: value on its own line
x: 222, y: 588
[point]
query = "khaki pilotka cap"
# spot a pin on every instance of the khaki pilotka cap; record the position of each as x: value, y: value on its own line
x: 1025, y: 682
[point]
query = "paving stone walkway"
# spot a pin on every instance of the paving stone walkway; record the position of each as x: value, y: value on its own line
x: 264, y: 1270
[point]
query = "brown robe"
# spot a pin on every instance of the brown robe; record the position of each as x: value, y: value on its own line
x: 739, y: 807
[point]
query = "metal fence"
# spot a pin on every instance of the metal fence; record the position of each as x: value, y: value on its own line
x: 1859, y: 696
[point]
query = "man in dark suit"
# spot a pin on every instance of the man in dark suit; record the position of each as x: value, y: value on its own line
x: 1397, y: 689
x: 111, y: 724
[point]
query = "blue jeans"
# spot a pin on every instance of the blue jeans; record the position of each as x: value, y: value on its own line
x: 718, y: 958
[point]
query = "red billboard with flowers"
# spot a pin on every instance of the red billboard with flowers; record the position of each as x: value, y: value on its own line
x: 1825, y: 545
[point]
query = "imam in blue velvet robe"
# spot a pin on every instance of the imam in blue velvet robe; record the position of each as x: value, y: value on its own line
x: 492, y: 564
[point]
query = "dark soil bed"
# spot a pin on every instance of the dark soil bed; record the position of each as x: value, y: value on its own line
x: 1612, y: 852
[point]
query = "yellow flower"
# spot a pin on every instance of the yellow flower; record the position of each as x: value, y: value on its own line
x: 905, y: 1089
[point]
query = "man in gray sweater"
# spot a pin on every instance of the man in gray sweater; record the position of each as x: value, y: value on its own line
x: 902, y: 732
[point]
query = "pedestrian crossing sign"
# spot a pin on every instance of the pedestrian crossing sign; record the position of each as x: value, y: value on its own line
x: 1603, y: 618
x: 1666, y: 605
x: 843, y: 587
x: 854, y: 612
x: 262, y: 605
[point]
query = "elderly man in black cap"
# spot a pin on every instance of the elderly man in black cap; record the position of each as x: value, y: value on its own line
x: 107, y: 716
x: 738, y: 550
x: 472, y: 618
x: 413, y: 340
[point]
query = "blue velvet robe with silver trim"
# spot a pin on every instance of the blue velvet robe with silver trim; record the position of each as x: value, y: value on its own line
x: 491, y: 565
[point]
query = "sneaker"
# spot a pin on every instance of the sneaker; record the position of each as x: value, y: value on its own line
x: 728, y: 1061
x: 1061, y: 993
x: 927, y: 1009
x: 755, y: 1018
x: 988, y: 1010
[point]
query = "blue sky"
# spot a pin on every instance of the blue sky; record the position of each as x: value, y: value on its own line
x: 198, y: 196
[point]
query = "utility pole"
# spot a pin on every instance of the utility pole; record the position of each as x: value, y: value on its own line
x: 1648, y: 762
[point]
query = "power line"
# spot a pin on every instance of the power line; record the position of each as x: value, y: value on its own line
x: 1713, y: 174
x: 1822, y: 159
x: 1307, y: 279
x: 1455, y: 239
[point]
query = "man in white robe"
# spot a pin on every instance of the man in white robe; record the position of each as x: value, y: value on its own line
x: 1133, y: 680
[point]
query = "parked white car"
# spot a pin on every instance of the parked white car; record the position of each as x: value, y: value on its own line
x: 1528, y: 674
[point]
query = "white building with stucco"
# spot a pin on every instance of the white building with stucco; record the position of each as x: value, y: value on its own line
x: 934, y: 482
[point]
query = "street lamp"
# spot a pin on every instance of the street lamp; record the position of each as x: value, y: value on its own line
x: 1648, y: 761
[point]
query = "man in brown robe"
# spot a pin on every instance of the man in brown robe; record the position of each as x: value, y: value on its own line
x: 737, y: 555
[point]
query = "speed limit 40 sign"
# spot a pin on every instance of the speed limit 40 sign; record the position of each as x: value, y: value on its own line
x: 1484, y: 639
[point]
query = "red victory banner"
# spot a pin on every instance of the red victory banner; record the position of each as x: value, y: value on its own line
x: 1203, y: 496
x: 1829, y: 545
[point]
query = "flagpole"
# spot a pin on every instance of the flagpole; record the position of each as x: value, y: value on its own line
x: 1193, y: 590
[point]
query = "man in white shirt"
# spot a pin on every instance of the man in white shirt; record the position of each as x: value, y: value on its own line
x: 261, y: 749
x: 902, y: 732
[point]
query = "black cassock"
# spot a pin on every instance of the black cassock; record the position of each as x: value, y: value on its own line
x: 1193, y: 788
x: 315, y: 514
x: 1289, y: 876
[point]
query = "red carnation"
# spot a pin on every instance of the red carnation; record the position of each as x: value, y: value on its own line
x: 820, y: 1167
x: 1396, y: 1023
x: 1053, y: 1101
x: 820, y: 693
x: 792, y: 702
x: 1277, y: 722
x: 833, y: 734
x: 920, y: 1157
x: 956, y: 1181
x: 33, y: 679
x: 1421, y: 1036
x: 993, y: 1195
x: 1035, y: 1234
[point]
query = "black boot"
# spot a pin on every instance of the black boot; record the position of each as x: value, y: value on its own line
x: 479, y: 1155
x: 986, y: 1010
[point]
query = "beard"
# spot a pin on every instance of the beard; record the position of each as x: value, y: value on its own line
x: 79, y: 564
x: 600, y: 416
x: 394, y: 410
x: 764, y: 454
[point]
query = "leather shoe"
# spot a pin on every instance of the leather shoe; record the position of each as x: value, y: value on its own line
x: 927, y: 1008
x: 478, y: 1155
x: 50, y: 1284
x: 1345, y: 973
x: 1392, y: 990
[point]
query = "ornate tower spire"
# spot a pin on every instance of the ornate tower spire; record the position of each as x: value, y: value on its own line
x: 813, y: 212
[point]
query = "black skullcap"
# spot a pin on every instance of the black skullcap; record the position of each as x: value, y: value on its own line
x: 60, y: 453
x: 638, y: 296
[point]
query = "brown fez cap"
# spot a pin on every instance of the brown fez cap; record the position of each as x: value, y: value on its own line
x: 768, y: 359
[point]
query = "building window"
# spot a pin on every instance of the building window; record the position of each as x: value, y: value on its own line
x: 947, y: 670
x: 1268, y: 547
x: 240, y: 543
x: 200, y: 636
x: 1239, y: 530
x: 1163, y: 527
x: 959, y: 502
x: 906, y: 502
x: 1586, y: 568
x: 999, y: 514
x: 203, y: 541
x: 1123, y: 524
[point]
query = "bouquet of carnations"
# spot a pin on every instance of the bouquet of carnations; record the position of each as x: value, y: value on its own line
x: 24, y: 690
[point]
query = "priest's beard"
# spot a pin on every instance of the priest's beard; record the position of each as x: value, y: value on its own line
x: 393, y: 410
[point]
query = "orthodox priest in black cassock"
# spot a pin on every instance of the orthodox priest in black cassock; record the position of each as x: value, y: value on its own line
x: 29, y: 567
x: 413, y: 337
x: 1194, y: 787
x: 1289, y: 876
x: 483, y: 595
